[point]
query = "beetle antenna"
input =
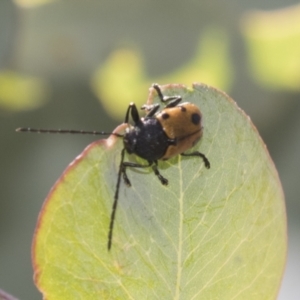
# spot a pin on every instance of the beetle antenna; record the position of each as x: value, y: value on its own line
x: 63, y: 131
x: 114, y: 207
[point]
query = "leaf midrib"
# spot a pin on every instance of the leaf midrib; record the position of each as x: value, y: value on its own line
x: 180, y: 234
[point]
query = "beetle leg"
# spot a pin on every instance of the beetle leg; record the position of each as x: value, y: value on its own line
x: 151, y: 109
x: 134, y: 114
x: 197, y: 153
x: 162, y: 179
x: 127, y: 164
x: 125, y: 177
x: 170, y: 101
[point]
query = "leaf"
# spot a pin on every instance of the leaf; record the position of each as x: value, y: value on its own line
x: 209, y: 234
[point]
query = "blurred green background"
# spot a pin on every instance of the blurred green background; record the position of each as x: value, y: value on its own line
x: 77, y: 64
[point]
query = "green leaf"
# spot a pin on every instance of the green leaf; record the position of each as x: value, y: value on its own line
x: 210, y: 234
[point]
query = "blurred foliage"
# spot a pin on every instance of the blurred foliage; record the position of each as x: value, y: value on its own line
x: 123, y: 78
x: 273, y: 43
x: 32, y: 3
x: 211, y: 64
x: 21, y: 92
x: 119, y: 81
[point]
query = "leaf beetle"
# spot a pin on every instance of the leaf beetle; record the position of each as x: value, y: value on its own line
x: 159, y: 135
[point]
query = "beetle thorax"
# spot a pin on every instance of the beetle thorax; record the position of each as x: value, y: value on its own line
x: 146, y: 139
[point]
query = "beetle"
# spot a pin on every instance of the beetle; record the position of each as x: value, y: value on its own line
x: 159, y: 135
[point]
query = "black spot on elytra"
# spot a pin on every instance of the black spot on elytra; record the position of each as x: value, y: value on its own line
x: 195, y: 118
x: 183, y: 109
x: 165, y: 116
